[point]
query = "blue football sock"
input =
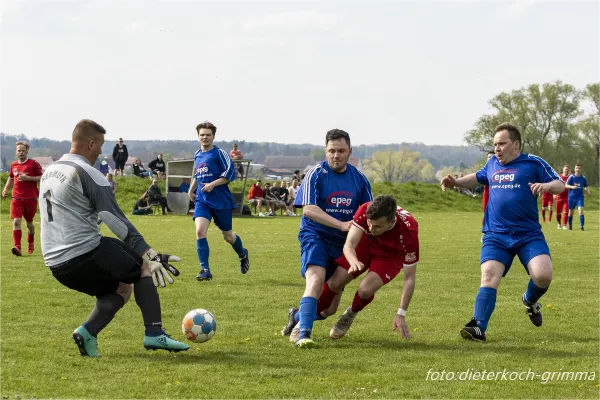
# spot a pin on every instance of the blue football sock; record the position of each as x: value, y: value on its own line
x: 581, y: 220
x: 534, y: 292
x: 485, y: 302
x: 318, y: 317
x: 203, y: 253
x: 308, y: 310
x: 570, y: 221
x: 237, y: 246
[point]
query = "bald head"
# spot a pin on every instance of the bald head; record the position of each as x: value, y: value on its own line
x: 87, y: 130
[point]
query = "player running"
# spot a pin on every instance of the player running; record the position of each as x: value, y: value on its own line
x: 23, y: 178
x: 72, y: 195
x: 514, y: 178
x: 562, y: 203
x: 213, y: 170
x: 330, y: 195
x: 576, y: 185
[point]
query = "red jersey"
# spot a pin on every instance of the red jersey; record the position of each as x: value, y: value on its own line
x: 255, y: 192
x: 401, y: 240
x: 485, y: 198
x: 564, y: 195
x: 235, y: 154
x: 29, y: 189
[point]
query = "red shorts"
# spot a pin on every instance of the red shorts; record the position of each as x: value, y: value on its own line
x: 547, y: 200
x: 562, y: 205
x: 387, y: 266
x: 23, y: 208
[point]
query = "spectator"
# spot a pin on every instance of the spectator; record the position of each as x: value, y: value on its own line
x: 142, y: 206
x: 297, y: 175
x: 120, y: 156
x: 272, y: 194
x: 236, y: 154
x: 140, y: 171
x: 104, y: 167
x: 158, y: 166
x: 293, y: 190
x: 284, y: 194
x: 111, y: 182
x: 256, y: 197
x: 156, y: 197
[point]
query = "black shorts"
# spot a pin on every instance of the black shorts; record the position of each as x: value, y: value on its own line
x: 120, y: 164
x: 99, y: 271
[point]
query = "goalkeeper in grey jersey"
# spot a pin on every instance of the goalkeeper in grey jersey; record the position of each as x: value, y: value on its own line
x: 72, y: 196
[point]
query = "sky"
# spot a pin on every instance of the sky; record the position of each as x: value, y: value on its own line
x: 286, y: 72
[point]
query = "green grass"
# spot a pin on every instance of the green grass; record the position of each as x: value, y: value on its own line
x: 248, y: 358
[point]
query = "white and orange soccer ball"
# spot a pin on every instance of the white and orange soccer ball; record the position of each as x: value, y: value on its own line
x: 199, y: 325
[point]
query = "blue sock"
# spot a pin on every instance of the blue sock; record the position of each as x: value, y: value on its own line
x: 570, y: 221
x: 203, y: 253
x: 237, y: 246
x: 485, y: 302
x: 534, y: 292
x: 581, y: 220
x: 308, y: 310
x: 318, y: 317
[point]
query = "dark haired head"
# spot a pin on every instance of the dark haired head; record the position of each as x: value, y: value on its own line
x: 382, y: 206
x: 513, y: 132
x: 337, y: 134
x: 206, y: 125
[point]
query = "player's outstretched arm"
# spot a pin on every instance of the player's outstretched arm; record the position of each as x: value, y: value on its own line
x: 352, y: 240
x: 554, y: 187
x: 408, y: 288
x: 316, y: 214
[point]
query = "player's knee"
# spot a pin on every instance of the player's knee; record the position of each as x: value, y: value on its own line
x: 200, y: 234
x: 17, y: 223
x: 30, y: 226
x: 229, y: 237
x: 366, y: 292
x: 124, y: 290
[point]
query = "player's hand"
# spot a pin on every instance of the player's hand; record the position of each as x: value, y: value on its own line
x: 447, y: 182
x: 160, y: 268
x: 345, y: 227
x: 4, y: 193
x: 192, y: 196
x: 22, y: 177
x: 538, y: 188
x: 207, y: 187
x: 356, y: 267
x: 399, y: 324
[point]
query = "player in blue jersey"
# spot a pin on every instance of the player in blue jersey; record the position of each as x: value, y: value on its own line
x: 577, y: 184
x: 330, y: 195
x: 511, y: 225
x: 213, y: 170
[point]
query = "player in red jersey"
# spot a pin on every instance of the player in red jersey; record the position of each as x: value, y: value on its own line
x: 383, y: 239
x: 547, y: 202
x: 562, y: 200
x: 486, y: 189
x: 24, y: 176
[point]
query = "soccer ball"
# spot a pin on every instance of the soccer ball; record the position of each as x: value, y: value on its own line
x: 199, y: 325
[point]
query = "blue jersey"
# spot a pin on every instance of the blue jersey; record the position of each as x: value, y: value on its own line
x: 580, y: 182
x: 512, y: 207
x: 208, y: 167
x: 338, y: 194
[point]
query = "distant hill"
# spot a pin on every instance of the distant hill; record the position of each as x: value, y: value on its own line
x: 146, y: 150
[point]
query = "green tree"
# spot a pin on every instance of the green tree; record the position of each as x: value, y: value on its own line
x: 398, y: 166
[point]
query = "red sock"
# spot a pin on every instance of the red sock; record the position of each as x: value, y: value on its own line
x: 544, y: 215
x: 17, y: 238
x: 565, y: 217
x: 30, y: 238
x: 359, y: 303
x: 325, y: 299
x: 558, y: 218
x: 550, y: 216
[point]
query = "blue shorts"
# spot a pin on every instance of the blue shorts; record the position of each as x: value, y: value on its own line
x: 316, y: 251
x: 503, y: 247
x: 222, y: 217
x: 575, y: 203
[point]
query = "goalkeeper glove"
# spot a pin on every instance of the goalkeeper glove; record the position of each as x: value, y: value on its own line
x: 159, y: 266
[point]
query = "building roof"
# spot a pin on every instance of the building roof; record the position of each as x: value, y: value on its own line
x: 44, y: 161
x: 288, y: 162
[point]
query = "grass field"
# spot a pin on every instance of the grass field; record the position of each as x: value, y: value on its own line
x: 248, y: 358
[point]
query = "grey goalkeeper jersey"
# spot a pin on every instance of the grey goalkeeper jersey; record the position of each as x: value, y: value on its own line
x: 72, y: 196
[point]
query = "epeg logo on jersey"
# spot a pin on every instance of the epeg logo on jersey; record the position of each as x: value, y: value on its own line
x: 202, y: 168
x: 340, y: 199
x: 504, y: 176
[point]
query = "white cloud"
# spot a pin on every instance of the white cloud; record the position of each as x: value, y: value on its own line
x: 135, y: 27
x: 519, y: 7
x: 292, y: 21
